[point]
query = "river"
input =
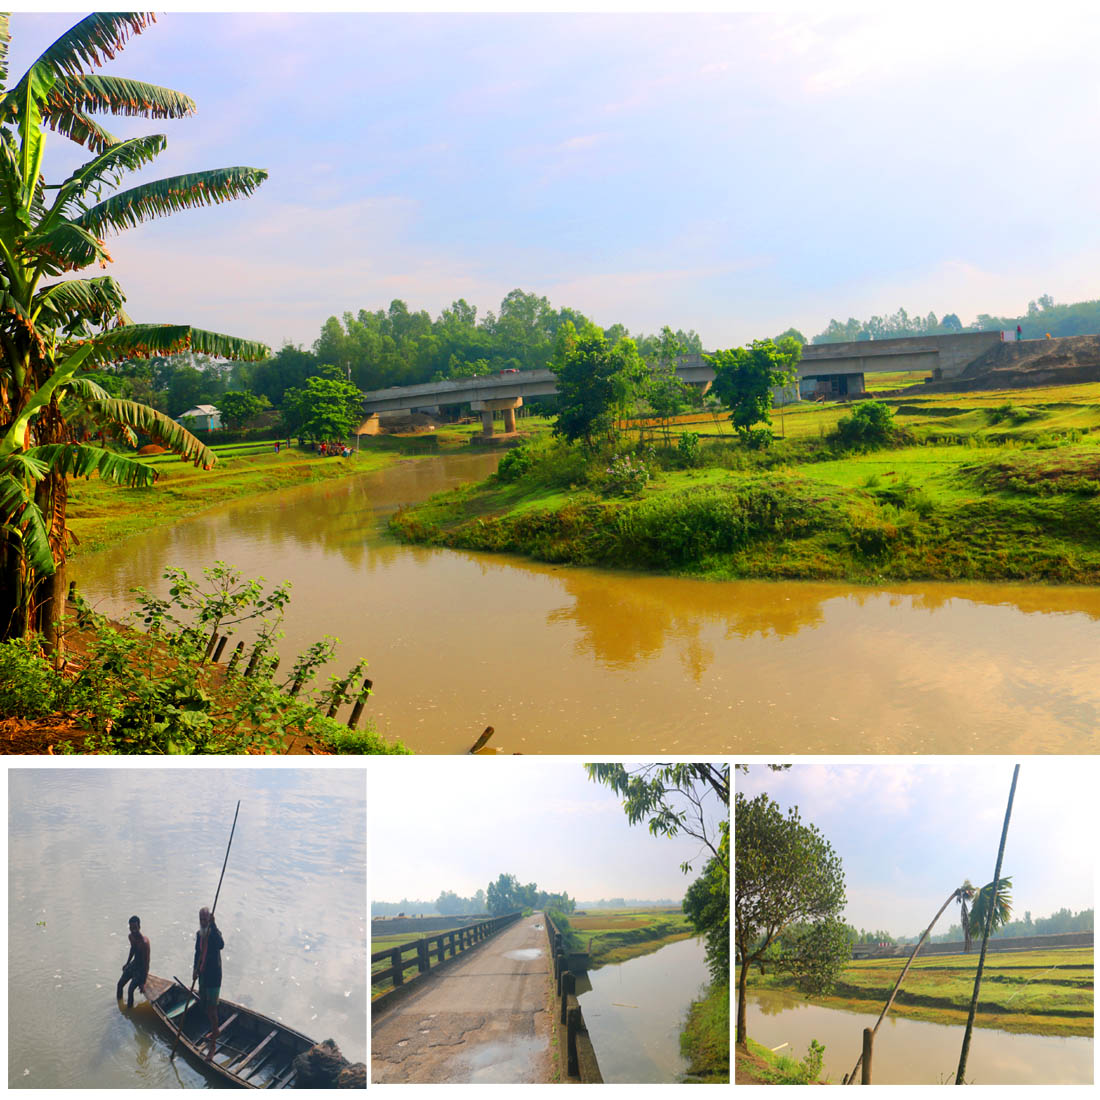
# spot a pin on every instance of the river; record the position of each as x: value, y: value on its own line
x: 570, y: 660
x: 87, y: 849
x: 636, y: 1010
x: 914, y: 1052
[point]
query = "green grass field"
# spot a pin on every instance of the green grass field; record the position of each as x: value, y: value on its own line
x: 980, y: 486
x: 1043, y: 992
x: 612, y: 935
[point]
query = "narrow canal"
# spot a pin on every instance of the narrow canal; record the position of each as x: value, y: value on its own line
x: 913, y: 1052
x: 568, y: 660
x: 89, y: 848
x: 636, y: 1010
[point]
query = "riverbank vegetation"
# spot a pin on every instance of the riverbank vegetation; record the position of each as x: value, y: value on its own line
x: 705, y: 1040
x: 757, y: 1065
x: 615, y: 935
x: 1044, y: 992
x: 975, y: 486
x: 157, y: 690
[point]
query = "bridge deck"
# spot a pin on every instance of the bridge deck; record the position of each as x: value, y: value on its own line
x: 484, y: 1018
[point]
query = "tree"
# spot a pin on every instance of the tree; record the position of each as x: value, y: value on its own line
x: 744, y: 379
x: 674, y: 799
x: 786, y: 874
x: 325, y: 410
x: 238, y: 408
x: 667, y: 394
x: 53, y: 333
x: 595, y: 380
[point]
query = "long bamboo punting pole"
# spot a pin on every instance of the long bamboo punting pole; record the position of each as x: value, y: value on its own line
x: 191, y: 991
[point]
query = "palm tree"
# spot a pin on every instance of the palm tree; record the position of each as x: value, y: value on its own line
x: 973, y: 906
x: 53, y: 326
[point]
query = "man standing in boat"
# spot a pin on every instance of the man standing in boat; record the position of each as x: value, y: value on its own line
x: 136, y: 968
x: 208, y: 971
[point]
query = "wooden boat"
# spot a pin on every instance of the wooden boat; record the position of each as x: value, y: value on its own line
x: 253, y: 1051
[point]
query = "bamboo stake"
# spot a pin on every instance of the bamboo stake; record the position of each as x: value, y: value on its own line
x: 960, y: 1073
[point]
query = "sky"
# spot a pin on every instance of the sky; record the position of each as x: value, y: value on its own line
x: 731, y: 173
x: 907, y: 835
x: 457, y: 823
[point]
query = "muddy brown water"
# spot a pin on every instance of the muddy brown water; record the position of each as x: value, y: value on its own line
x: 569, y: 660
x: 915, y: 1052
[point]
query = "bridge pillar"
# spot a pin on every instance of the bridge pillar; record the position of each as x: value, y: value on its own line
x: 507, y: 405
x: 370, y: 426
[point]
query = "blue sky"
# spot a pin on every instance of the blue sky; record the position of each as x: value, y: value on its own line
x: 908, y: 834
x: 456, y: 823
x: 732, y: 173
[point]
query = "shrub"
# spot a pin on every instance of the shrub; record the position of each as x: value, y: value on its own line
x: 687, y: 447
x: 29, y: 686
x: 514, y: 464
x: 626, y: 475
x: 871, y: 424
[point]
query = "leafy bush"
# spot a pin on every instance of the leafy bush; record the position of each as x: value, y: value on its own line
x: 687, y: 447
x: 29, y: 686
x: 626, y: 475
x: 153, y: 692
x: 871, y: 424
x: 514, y: 464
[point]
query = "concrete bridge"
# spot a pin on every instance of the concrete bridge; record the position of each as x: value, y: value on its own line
x: 485, y: 1017
x: 830, y: 370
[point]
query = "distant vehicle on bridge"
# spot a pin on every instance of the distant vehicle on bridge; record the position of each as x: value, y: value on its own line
x: 509, y: 370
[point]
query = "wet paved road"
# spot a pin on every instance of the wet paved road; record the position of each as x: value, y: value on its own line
x: 486, y: 1018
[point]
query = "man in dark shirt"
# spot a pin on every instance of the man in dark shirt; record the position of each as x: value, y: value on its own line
x: 136, y: 968
x: 208, y: 970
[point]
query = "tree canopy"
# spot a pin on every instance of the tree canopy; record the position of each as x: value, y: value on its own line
x: 745, y: 377
x: 787, y: 876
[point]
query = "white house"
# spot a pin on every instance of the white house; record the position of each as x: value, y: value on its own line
x: 205, y: 418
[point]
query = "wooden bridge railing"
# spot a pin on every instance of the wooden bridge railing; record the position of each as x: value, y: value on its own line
x: 432, y: 950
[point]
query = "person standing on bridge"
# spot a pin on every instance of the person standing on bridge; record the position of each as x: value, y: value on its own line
x: 1019, y: 333
x: 208, y: 971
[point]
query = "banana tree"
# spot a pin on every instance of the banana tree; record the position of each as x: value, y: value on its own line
x: 55, y: 326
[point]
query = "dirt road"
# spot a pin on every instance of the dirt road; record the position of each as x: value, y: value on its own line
x: 486, y: 1018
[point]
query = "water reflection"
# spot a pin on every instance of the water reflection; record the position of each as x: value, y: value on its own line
x: 572, y: 660
x: 89, y: 848
x: 914, y: 1051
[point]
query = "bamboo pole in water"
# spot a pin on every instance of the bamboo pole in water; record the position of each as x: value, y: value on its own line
x: 960, y: 1073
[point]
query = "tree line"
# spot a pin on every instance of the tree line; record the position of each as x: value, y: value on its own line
x: 1043, y: 316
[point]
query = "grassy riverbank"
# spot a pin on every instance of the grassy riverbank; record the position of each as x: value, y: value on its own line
x: 760, y: 1066
x: 101, y: 514
x: 614, y: 935
x: 977, y: 486
x: 705, y: 1040
x: 1037, y: 992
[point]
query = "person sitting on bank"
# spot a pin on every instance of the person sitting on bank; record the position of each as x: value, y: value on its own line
x: 136, y: 968
x: 208, y: 971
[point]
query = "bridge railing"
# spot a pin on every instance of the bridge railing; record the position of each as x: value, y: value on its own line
x: 429, y: 951
x: 581, y: 1064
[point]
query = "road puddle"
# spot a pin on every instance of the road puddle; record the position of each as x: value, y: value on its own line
x: 506, y: 1062
x: 524, y: 954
